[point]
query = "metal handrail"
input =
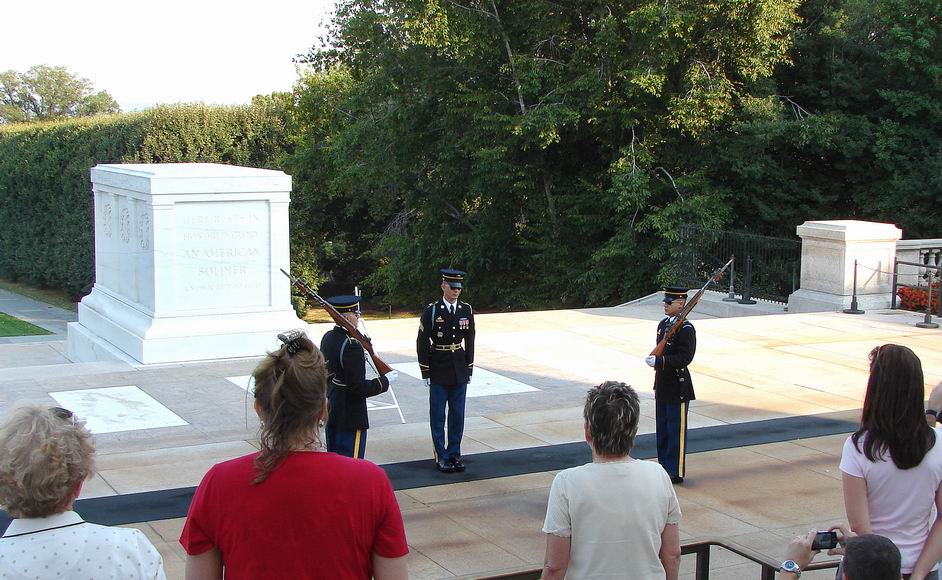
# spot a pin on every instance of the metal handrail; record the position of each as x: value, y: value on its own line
x: 930, y: 270
x: 700, y: 547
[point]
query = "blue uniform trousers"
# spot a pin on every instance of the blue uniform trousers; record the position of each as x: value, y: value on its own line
x: 671, y: 421
x: 454, y: 397
x: 349, y: 443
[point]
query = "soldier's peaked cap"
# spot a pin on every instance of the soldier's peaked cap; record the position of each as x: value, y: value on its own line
x: 345, y: 303
x: 672, y: 293
x: 452, y: 277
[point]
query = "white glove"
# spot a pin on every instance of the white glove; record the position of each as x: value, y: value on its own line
x: 392, y: 376
x: 428, y: 382
x: 650, y: 360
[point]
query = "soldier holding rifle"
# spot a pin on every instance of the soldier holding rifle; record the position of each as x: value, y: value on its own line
x: 347, y: 418
x: 673, y: 388
x: 345, y: 349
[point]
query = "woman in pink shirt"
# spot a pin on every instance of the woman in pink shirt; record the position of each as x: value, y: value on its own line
x: 892, y: 466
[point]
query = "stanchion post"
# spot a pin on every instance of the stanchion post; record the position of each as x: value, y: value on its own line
x: 732, y: 275
x: 938, y: 279
x: 853, y: 300
x: 895, y: 283
x: 927, y: 321
x: 747, y: 284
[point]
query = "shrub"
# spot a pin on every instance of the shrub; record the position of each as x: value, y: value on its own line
x: 914, y: 298
x: 46, y: 204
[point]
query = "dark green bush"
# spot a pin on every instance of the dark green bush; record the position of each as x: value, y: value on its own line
x: 46, y: 205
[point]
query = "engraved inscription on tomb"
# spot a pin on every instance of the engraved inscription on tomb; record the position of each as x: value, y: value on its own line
x: 223, y: 254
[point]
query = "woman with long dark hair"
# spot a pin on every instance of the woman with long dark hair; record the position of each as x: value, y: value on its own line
x: 892, y: 465
x: 293, y: 510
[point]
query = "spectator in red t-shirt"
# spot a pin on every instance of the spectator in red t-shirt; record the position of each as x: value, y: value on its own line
x: 293, y: 510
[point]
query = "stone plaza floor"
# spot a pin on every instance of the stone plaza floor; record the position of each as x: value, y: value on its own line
x: 161, y: 427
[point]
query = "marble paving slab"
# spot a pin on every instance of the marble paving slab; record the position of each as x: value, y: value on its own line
x: 484, y: 383
x: 116, y: 409
x: 247, y: 383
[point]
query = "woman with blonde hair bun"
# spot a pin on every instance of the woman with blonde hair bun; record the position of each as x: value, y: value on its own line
x: 46, y: 454
x: 294, y: 510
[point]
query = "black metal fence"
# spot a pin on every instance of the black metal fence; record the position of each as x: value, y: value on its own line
x: 776, y: 262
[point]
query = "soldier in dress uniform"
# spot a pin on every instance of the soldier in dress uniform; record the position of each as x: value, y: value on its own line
x: 446, y: 366
x: 673, y: 389
x: 348, y: 388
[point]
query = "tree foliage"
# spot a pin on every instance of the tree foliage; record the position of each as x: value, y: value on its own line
x: 549, y: 148
x: 851, y: 130
x: 49, y: 93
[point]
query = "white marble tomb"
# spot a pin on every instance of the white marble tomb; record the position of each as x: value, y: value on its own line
x: 187, y: 259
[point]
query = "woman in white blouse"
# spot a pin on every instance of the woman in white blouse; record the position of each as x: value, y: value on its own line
x: 616, y: 517
x: 892, y: 465
x: 45, y: 457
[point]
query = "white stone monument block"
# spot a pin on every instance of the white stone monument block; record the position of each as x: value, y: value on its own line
x: 187, y: 259
x: 828, y: 252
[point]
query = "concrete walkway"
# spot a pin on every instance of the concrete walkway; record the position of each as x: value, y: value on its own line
x: 43, y: 315
x: 747, y: 369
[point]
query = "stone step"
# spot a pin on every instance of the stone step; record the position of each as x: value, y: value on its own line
x: 65, y: 369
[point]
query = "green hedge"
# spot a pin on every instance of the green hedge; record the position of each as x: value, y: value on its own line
x: 46, y: 205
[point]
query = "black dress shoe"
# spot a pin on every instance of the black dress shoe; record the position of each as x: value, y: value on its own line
x: 458, y: 464
x: 444, y: 466
x: 677, y: 479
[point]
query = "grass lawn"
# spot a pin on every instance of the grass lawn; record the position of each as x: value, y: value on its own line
x: 10, y: 326
x: 318, y: 314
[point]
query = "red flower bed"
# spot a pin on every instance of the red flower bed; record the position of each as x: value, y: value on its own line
x: 915, y: 298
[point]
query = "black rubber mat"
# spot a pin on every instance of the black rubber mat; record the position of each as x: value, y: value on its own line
x: 174, y: 503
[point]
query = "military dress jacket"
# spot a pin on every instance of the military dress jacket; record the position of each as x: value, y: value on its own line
x: 445, y: 344
x: 672, y: 383
x: 347, y: 385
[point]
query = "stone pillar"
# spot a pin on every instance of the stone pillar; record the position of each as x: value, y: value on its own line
x: 187, y: 259
x: 828, y: 251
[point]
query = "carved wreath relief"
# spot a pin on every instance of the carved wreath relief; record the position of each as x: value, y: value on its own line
x: 125, y: 225
x: 143, y: 230
x: 106, y: 219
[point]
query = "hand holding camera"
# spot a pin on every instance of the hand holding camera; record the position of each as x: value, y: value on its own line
x: 801, y: 550
x: 824, y: 541
x: 842, y: 535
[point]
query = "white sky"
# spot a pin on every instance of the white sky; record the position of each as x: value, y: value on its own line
x: 166, y: 51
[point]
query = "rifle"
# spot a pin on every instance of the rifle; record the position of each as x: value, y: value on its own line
x: 688, y: 307
x: 381, y: 367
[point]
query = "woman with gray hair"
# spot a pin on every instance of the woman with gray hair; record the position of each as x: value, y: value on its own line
x: 616, y: 517
x: 45, y: 457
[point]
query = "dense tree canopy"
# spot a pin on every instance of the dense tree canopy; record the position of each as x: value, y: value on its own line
x: 554, y: 148
x: 49, y: 93
x: 852, y: 128
x: 547, y: 147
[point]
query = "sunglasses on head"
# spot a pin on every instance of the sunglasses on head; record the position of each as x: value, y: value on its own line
x: 61, y: 413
